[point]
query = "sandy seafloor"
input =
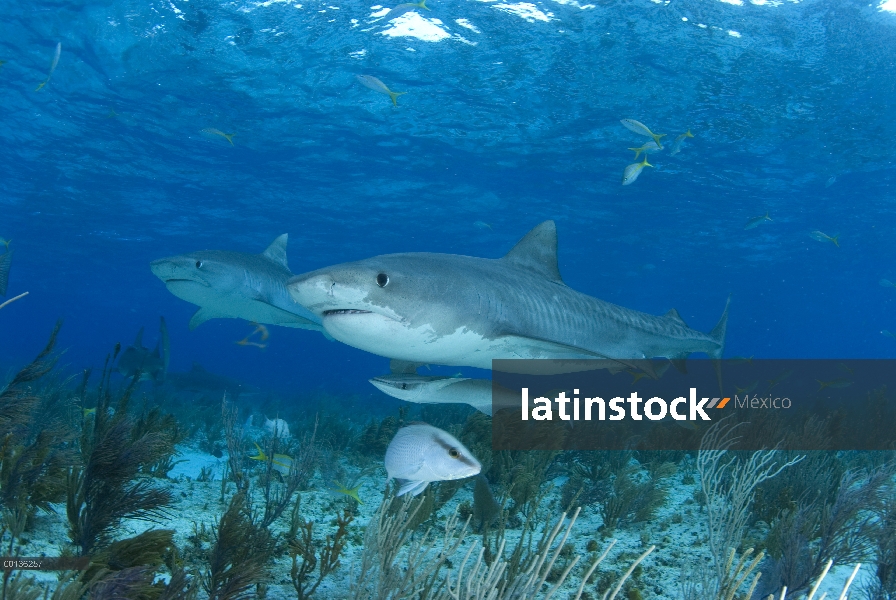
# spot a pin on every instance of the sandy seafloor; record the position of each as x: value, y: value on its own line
x: 197, y: 502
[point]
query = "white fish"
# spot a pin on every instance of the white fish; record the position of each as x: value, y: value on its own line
x: 369, y: 81
x: 632, y: 171
x: 276, y: 427
x: 756, y: 221
x: 647, y: 148
x: 823, y: 237
x: 53, y: 64
x: 420, y: 453
x: 641, y: 129
x: 831, y: 181
x: 676, y: 145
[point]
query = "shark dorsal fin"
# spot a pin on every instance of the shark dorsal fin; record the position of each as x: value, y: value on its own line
x: 537, y: 252
x: 673, y: 314
x: 277, y: 251
x: 138, y: 341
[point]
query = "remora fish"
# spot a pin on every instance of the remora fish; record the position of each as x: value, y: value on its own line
x: 465, y: 311
x: 152, y: 365
x: 420, y: 453
x: 406, y: 384
x: 236, y: 285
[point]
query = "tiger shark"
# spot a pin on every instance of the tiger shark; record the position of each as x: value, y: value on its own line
x: 466, y: 311
x: 145, y: 363
x: 236, y: 285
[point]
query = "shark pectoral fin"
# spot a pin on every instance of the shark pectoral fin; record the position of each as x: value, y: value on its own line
x: 414, y: 488
x: 277, y: 251
x: 202, y: 315
x: 404, y: 367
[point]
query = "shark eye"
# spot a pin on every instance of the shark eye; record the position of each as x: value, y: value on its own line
x: 198, y: 264
x: 453, y: 453
x: 404, y: 386
x: 382, y: 280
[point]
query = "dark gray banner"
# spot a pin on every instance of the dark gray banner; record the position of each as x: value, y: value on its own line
x: 655, y: 405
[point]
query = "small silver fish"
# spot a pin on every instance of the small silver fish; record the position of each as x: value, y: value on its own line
x: 369, y: 81
x: 632, y: 171
x: 831, y: 181
x: 641, y: 129
x: 676, y: 145
x: 757, y: 221
x: 403, y: 8
x: 647, y: 148
x: 55, y: 62
x: 213, y: 131
x: 420, y: 454
x: 481, y: 225
x: 823, y: 237
x: 886, y: 283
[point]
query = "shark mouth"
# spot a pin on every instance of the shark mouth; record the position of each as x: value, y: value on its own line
x: 175, y: 280
x: 345, y: 311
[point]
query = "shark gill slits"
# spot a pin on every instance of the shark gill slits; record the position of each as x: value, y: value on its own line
x: 382, y: 280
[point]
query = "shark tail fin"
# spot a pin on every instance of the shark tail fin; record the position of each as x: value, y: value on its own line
x: 718, y: 334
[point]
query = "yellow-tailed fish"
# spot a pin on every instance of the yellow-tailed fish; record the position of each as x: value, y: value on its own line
x: 5, y: 242
x: 213, y: 131
x: 641, y: 129
x: 757, y: 221
x: 836, y: 383
x: 888, y: 334
x: 882, y: 282
x: 52, y: 67
x: 89, y: 411
x: 280, y: 463
x: 823, y: 237
x: 773, y: 382
x: 746, y: 390
x: 351, y: 493
x: 676, y: 145
x: 647, y: 148
x: 845, y: 367
x: 633, y: 170
x: 741, y: 359
x: 403, y: 8
x: 369, y: 81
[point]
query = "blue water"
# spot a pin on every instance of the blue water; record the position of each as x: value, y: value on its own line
x: 106, y: 168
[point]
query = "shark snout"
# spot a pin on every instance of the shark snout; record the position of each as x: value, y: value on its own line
x: 314, y: 292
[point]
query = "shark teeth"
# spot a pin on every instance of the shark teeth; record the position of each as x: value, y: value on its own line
x: 345, y: 311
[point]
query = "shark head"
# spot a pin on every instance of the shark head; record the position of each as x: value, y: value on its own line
x: 192, y: 276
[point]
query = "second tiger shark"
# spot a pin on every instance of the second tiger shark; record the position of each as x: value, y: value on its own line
x: 236, y: 285
x: 456, y: 310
